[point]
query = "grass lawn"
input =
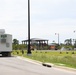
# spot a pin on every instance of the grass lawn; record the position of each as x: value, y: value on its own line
x: 65, y: 58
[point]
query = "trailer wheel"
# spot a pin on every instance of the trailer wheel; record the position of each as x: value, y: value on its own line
x: 6, y: 54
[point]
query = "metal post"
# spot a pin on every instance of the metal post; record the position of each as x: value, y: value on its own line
x: 29, y: 50
x: 74, y: 39
x: 58, y: 38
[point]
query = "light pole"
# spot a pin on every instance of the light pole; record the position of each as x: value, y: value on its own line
x: 74, y: 40
x: 58, y: 37
x: 29, y: 50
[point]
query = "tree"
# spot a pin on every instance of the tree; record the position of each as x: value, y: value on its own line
x: 75, y: 43
x: 68, y: 41
x: 15, y: 44
x: 68, y: 44
x: 15, y: 41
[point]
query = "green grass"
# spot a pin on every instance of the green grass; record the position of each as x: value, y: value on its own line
x: 66, y: 58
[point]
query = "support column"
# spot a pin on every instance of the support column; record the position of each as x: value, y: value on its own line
x: 22, y: 42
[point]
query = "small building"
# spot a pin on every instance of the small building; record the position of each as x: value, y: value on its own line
x: 37, y: 43
x: 52, y: 46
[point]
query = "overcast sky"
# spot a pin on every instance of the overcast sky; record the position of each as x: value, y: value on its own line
x: 47, y: 18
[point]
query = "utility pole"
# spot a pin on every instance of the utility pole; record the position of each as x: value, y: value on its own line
x: 29, y: 50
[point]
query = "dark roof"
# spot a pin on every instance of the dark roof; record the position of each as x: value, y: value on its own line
x: 37, y: 39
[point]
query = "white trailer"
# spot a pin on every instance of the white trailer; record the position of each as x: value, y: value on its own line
x: 5, y: 43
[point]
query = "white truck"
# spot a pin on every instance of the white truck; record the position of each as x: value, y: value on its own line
x: 5, y: 43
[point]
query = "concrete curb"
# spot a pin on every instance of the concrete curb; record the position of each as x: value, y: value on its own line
x: 29, y: 60
x: 61, y: 67
x: 66, y: 68
x: 46, y: 64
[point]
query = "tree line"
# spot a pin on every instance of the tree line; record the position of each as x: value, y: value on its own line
x: 68, y: 43
x: 17, y: 46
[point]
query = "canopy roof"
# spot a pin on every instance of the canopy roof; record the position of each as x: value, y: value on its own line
x: 36, y: 39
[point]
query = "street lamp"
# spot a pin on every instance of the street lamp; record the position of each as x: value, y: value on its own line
x: 29, y: 50
x: 74, y: 40
x: 58, y: 37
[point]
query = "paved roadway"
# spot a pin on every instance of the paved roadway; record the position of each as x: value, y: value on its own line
x: 16, y: 66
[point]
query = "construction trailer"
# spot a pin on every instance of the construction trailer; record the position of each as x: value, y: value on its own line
x: 5, y: 43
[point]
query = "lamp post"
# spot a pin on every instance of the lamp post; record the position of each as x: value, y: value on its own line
x: 58, y: 37
x: 74, y: 40
x: 29, y: 50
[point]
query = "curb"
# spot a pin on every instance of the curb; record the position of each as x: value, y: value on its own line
x: 29, y: 60
x: 66, y: 68
x: 46, y: 64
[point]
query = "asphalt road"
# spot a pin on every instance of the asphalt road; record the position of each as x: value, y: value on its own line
x: 16, y: 66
